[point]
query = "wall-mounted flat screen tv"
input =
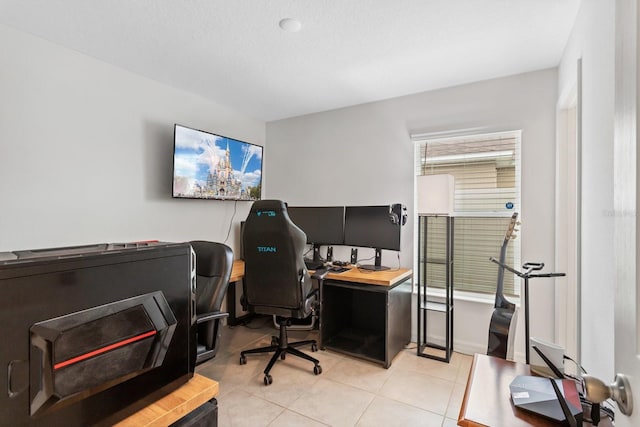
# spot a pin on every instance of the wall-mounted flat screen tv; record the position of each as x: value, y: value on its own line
x: 210, y: 166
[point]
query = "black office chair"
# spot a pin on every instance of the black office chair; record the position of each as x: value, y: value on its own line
x: 276, y: 281
x: 213, y: 270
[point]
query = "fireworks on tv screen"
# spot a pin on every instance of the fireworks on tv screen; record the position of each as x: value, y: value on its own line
x: 210, y: 166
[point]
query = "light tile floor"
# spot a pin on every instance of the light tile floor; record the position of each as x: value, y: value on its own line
x: 414, y: 391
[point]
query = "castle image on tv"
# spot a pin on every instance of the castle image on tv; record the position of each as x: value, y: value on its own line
x: 208, y: 166
x: 222, y: 182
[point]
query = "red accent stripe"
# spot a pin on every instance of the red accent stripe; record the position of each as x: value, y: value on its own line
x: 103, y: 350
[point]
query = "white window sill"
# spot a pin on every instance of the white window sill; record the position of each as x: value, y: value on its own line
x: 439, y: 294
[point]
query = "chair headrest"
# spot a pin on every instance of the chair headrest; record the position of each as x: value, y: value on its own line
x: 265, y: 207
x: 212, y: 258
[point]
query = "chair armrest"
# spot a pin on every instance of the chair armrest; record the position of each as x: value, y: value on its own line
x: 207, y: 317
x: 320, y: 274
x: 312, y: 303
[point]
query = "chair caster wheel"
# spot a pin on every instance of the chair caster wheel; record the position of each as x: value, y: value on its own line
x: 317, y: 370
x: 314, y: 347
x: 268, y: 380
x: 274, y: 341
x: 283, y: 355
x: 243, y: 360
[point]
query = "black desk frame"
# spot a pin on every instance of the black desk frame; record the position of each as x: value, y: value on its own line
x: 372, y: 322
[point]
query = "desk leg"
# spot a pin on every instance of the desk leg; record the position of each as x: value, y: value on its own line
x: 233, y: 320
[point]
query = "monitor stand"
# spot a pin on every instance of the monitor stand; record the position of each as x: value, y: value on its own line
x: 316, y: 253
x: 378, y: 263
x: 316, y: 262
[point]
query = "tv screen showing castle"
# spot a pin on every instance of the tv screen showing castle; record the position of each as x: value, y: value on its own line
x: 209, y: 166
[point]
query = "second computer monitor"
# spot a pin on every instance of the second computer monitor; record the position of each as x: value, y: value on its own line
x: 323, y: 225
x: 371, y: 227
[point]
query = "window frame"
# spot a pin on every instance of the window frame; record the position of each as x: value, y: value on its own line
x: 420, y: 141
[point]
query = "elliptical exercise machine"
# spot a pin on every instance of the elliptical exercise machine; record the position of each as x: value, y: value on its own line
x: 529, y: 272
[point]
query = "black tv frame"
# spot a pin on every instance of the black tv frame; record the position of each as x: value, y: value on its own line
x: 177, y: 195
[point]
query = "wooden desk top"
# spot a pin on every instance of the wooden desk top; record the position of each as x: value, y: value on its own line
x: 487, y: 400
x: 175, y: 405
x: 382, y: 278
x: 237, y: 271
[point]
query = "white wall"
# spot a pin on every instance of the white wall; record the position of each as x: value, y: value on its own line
x: 592, y: 39
x: 86, y: 157
x: 86, y: 152
x: 363, y: 155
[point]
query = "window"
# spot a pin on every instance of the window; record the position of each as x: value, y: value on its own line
x: 486, y: 171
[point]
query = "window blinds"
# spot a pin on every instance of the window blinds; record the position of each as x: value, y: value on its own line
x: 486, y: 170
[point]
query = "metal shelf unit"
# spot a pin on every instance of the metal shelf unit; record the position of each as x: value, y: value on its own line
x: 435, y: 251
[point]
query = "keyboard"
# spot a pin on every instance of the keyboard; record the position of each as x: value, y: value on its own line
x: 311, y: 265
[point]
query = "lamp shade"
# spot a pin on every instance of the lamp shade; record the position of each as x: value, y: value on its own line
x: 435, y: 194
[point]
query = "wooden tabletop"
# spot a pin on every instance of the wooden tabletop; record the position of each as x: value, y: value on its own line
x: 487, y: 399
x: 382, y: 278
x: 175, y: 405
x: 237, y: 271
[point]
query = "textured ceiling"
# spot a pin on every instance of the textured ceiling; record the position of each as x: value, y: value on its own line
x: 348, y: 51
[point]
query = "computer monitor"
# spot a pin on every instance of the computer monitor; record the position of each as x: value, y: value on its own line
x: 323, y: 225
x: 371, y: 227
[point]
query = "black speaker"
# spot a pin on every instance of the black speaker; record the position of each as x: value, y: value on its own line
x: 354, y: 256
x: 330, y: 253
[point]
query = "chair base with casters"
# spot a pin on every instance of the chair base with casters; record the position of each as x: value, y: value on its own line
x: 300, y: 326
x: 281, y: 346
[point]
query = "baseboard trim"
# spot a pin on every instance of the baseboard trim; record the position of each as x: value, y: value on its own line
x: 470, y: 347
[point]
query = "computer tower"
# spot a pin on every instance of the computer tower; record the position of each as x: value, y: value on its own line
x: 92, y: 334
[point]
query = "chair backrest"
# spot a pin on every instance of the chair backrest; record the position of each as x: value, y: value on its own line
x: 275, y: 275
x: 214, y: 262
